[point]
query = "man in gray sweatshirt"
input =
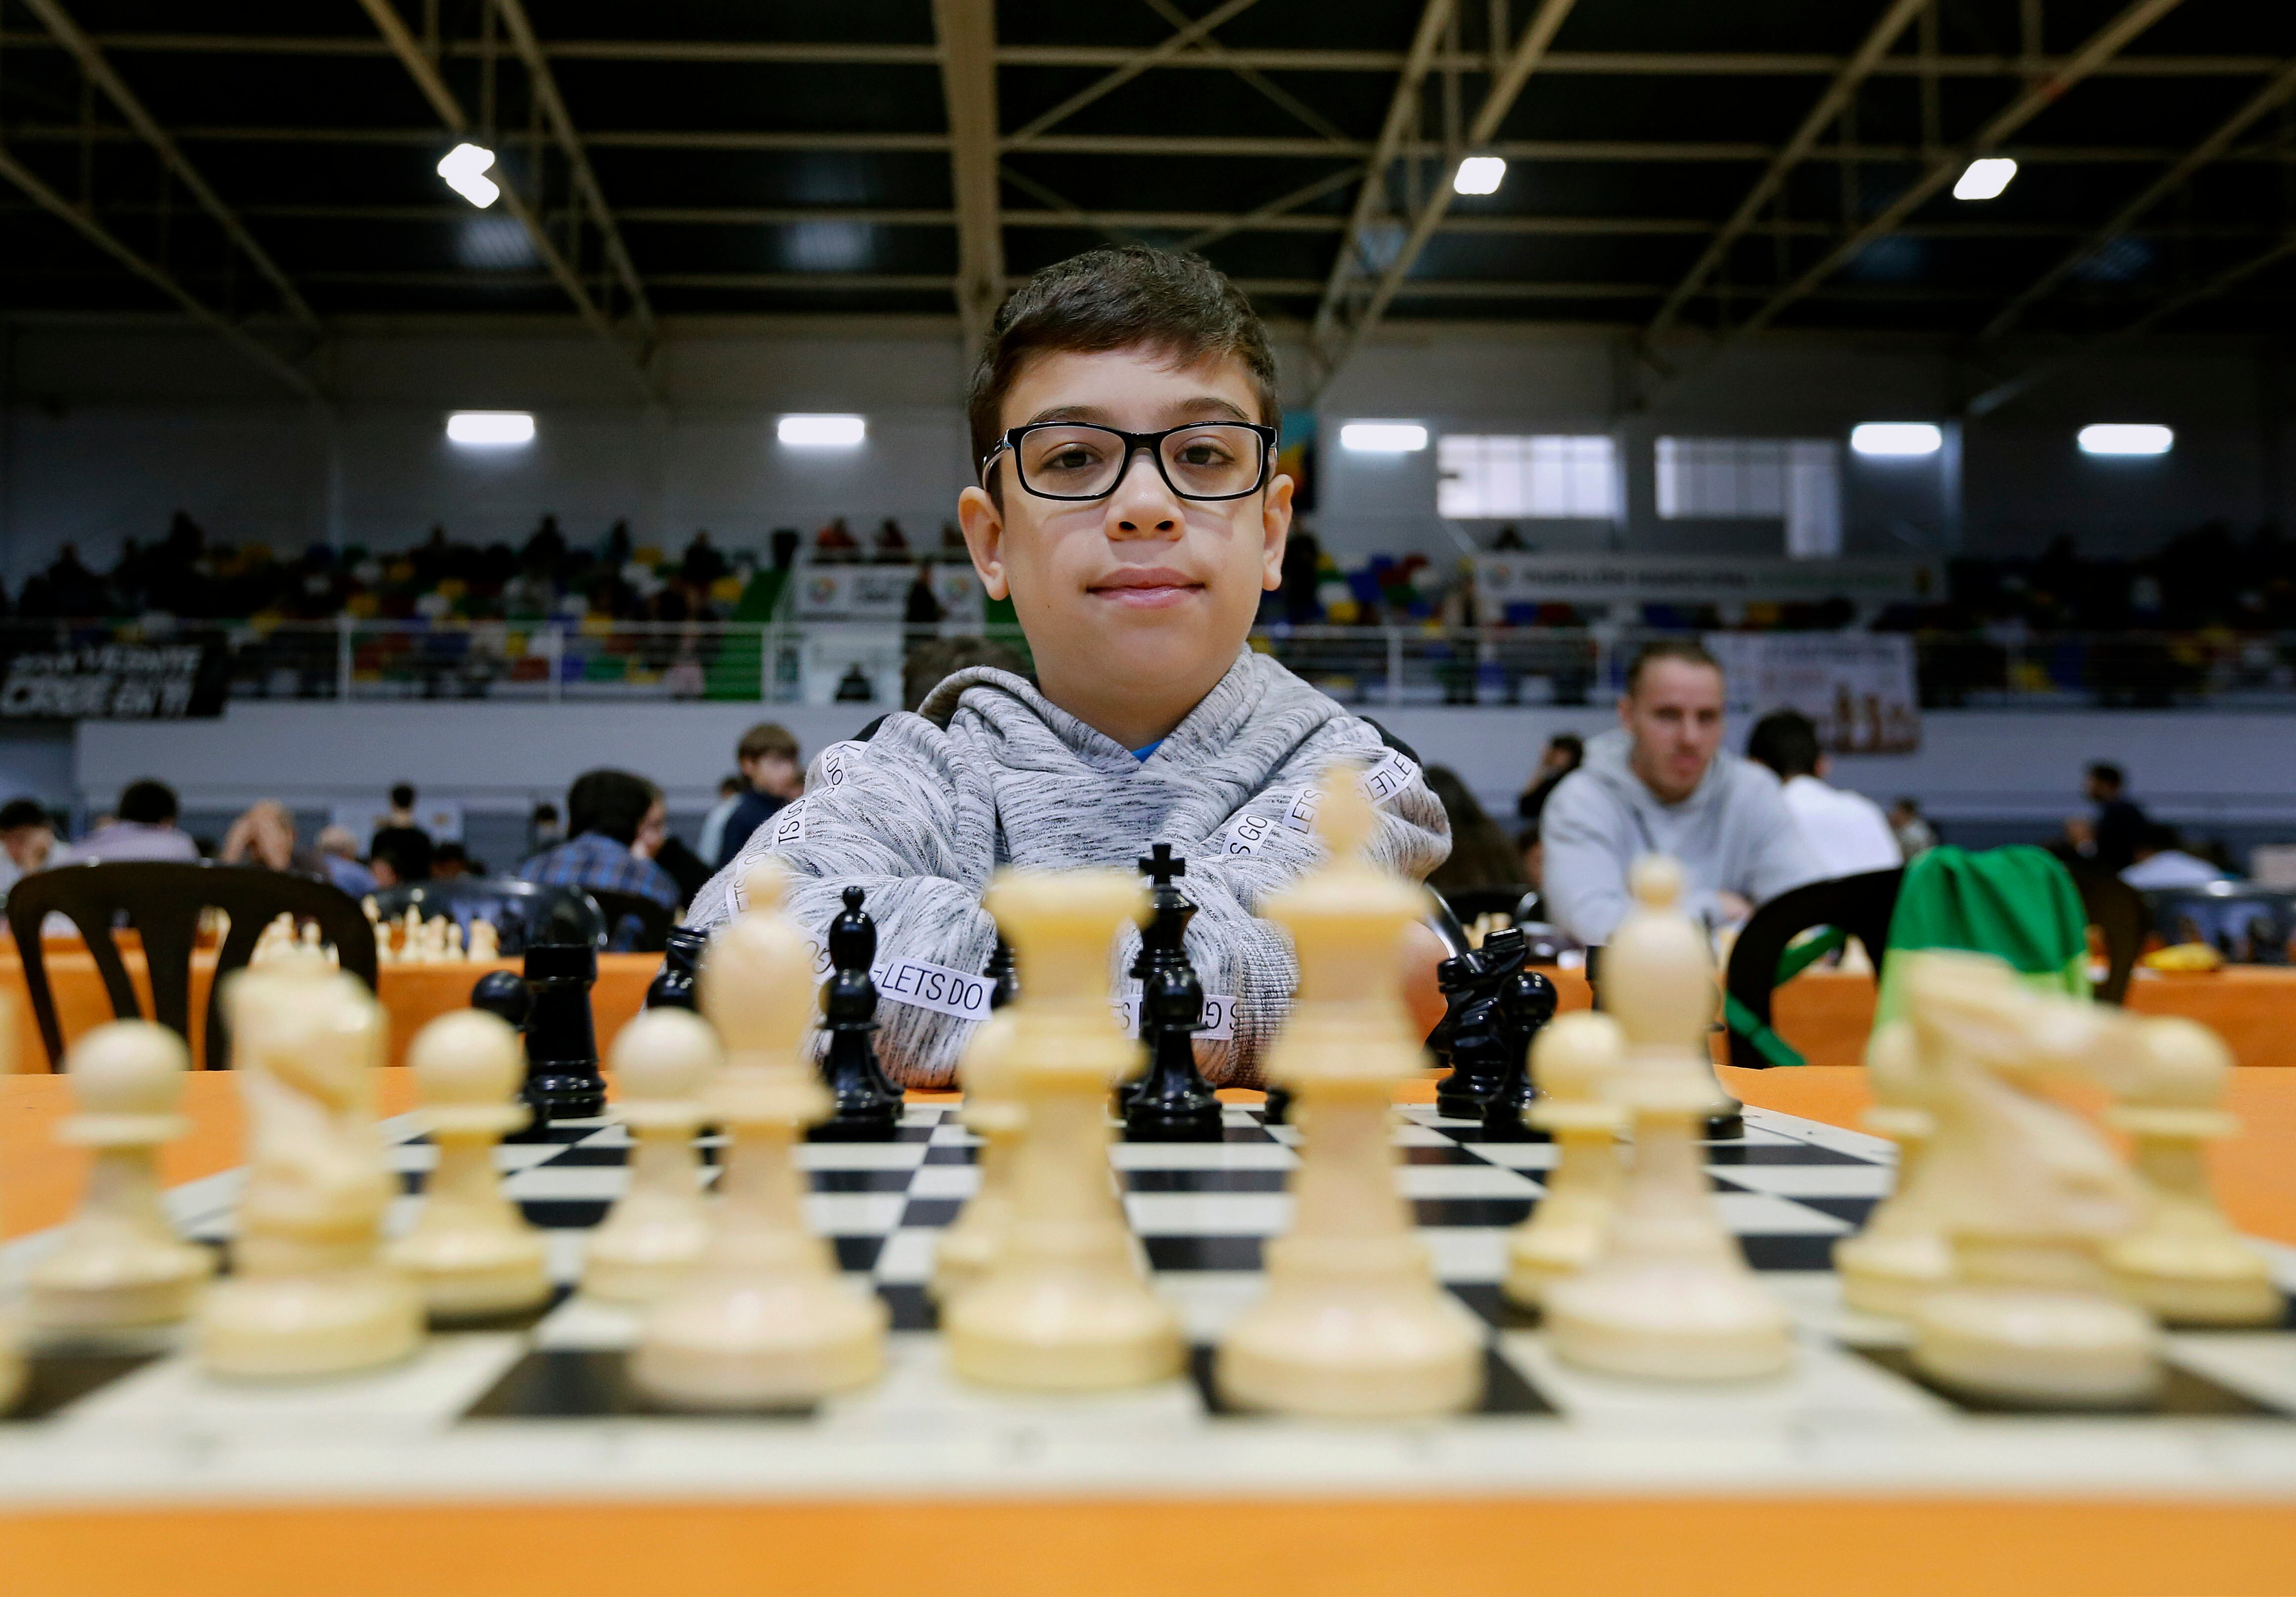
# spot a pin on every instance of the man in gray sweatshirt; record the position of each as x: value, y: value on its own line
x: 1124, y: 421
x: 1661, y: 783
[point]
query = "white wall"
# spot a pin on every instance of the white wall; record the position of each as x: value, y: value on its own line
x: 106, y: 428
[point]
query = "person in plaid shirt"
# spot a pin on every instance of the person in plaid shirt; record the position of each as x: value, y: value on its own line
x: 618, y: 821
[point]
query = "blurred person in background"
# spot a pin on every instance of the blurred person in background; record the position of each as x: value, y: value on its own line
x: 451, y: 860
x: 145, y: 828
x: 2108, y: 837
x: 620, y: 820
x: 543, y: 828
x: 1480, y: 855
x: 2163, y: 862
x: 1911, y: 828
x: 401, y: 855
x: 772, y: 775
x: 339, y: 858
x: 713, y: 824
x: 1847, y: 831
x: 399, y: 834
x: 1565, y: 752
x: 27, y: 842
x: 264, y: 836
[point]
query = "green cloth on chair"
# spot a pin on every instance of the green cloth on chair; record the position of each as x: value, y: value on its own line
x: 2016, y: 903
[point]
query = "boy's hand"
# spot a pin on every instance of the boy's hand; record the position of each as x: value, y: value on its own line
x: 1422, y: 952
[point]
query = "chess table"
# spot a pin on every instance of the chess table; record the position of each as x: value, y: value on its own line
x: 513, y: 1459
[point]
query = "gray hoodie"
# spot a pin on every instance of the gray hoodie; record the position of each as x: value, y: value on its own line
x: 1733, y: 834
x: 989, y: 772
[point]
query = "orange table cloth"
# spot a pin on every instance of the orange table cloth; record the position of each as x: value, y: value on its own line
x: 1716, y: 1545
x: 413, y: 996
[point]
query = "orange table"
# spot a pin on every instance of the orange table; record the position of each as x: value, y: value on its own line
x: 412, y: 995
x: 1713, y: 1544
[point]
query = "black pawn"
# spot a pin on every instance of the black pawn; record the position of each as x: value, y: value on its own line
x: 1526, y: 1004
x: 1278, y: 1111
x: 1004, y: 977
x: 1173, y: 1102
x: 868, y: 1107
x: 680, y: 961
x: 562, y: 1043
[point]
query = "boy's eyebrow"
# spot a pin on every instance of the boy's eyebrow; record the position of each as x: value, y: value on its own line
x: 1185, y: 408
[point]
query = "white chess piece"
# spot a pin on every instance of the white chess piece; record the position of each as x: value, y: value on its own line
x: 764, y: 1320
x: 1670, y: 1297
x: 653, y: 1236
x: 1903, y: 1254
x: 119, y: 1263
x: 412, y: 947
x: 1353, y: 1323
x: 470, y: 1250
x: 486, y: 942
x: 310, y: 1294
x: 993, y: 1111
x: 384, y: 954
x: 2028, y: 1190
x: 1576, y: 1061
x: 2184, y: 1262
x: 1062, y: 1306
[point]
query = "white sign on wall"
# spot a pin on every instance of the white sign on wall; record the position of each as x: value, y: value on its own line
x: 881, y: 593
x: 1857, y: 686
x: 1502, y: 579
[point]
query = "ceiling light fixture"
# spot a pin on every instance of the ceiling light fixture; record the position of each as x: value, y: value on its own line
x: 490, y: 428
x: 1383, y: 437
x: 464, y: 168
x: 1479, y: 175
x: 1985, y: 178
x: 2125, y: 437
x: 821, y: 432
x: 1901, y: 439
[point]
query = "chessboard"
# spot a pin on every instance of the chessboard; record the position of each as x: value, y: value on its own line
x: 540, y: 1406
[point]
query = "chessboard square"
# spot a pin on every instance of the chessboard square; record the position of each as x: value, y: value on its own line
x: 1802, y: 1252
x: 1823, y: 1384
x: 1209, y: 1214
x: 1748, y: 1213
x: 909, y: 1308
x: 2259, y: 1365
x: 945, y: 1180
x: 420, y: 1394
x: 942, y: 1153
x: 1206, y: 1180
x: 1470, y: 1211
x: 931, y: 1213
x: 860, y: 1180
x: 854, y: 1214
x: 1519, y: 1156
x: 53, y: 1381
x: 1202, y: 1156
x: 906, y: 1258
x: 1465, y: 1252
x: 585, y: 1321
x: 1813, y: 1181
x: 556, y: 1183
x: 1783, y: 1151
x: 951, y: 1134
x: 1443, y: 1152
x: 1475, y: 1180
x: 1230, y: 1253
x: 576, y: 1383
x: 860, y: 1155
x: 858, y: 1253
x: 549, y: 1214
x: 927, y: 1114
x: 1411, y: 1134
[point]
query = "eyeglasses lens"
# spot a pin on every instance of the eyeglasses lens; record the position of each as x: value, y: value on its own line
x: 1214, y: 461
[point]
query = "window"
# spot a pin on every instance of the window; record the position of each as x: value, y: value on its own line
x: 1545, y: 474
x: 1794, y: 480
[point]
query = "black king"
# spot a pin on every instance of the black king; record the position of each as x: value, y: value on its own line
x: 1173, y: 1102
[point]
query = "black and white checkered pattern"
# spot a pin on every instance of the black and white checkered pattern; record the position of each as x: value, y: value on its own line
x: 541, y: 1404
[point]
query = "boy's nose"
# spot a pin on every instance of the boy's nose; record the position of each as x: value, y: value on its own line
x: 1143, y: 504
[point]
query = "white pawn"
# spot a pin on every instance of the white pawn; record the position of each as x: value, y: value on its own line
x: 1354, y: 1323
x: 1576, y: 1063
x: 309, y: 1294
x: 119, y: 1263
x: 653, y: 1236
x: 764, y: 1320
x: 486, y: 942
x: 2184, y: 1262
x: 471, y: 1252
x: 411, y: 944
x: 384, y: 954
x: 1670, y: 1297
x: 993, y: 1111
x: 1903, y: 1254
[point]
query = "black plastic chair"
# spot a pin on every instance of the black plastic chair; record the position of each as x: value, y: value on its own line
x: 523, y: 912
x: 1860, y: 905
x: 634, y: 924
x: 162, y: 901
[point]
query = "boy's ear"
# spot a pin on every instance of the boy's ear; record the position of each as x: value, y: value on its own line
x: 1275, y: 530
x: 984, y: 540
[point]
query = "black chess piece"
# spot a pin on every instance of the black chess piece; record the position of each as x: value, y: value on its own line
x: 681, y: 961
x: 562, y: 1045
x: 1002, y: 974
x: 1463, y: 1037
x: 868, y: 1107
x: 1173, y: 1102
x: 1278, y: 1111
x: 503, y: 992
x: 1527, y: 1001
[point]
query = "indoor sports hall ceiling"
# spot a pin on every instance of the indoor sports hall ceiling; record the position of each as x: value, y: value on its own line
x: 1674, y: 167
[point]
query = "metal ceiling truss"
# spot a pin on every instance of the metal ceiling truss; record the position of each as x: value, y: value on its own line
x: 967, y: 30
x: 424, y: 71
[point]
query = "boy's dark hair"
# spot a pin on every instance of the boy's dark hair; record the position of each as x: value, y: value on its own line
x: 1786, y: 741
x: 18, y: 813
x: 613, y: 804
x: 766, y: 737
x: 148, y: 802
x: 402, y: 795
x: 1179, y: 305
x: 1689, y: 650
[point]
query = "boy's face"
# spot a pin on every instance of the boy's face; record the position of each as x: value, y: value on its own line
x: 1141, y: 587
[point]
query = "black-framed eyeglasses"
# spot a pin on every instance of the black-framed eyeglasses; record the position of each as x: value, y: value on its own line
x: 1078, y: 461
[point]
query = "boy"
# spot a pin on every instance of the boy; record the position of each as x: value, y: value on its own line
x: 1124, y: 416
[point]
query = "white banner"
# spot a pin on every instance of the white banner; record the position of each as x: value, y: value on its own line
x: 880, y: 593
x: 1503, y: 579
x: 1857, y: 686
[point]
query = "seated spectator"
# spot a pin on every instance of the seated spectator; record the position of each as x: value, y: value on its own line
x: 400, y: 836
x: 1480, y: 855
x: 399, y: 855
x: 1846, y: 831
x: 1911, y: 828
x: 264, y: 837
x: 1564, y: 753
x: 771, y: 769
x: 1661, y: 783
x: 339, y: 858
x: 618, y: 821
x: 27, y: 842
x: 713, y: 824
x: 2163, y: 862
x: 145, y: 829
x: 449, y: 861
x: 543, y: 828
